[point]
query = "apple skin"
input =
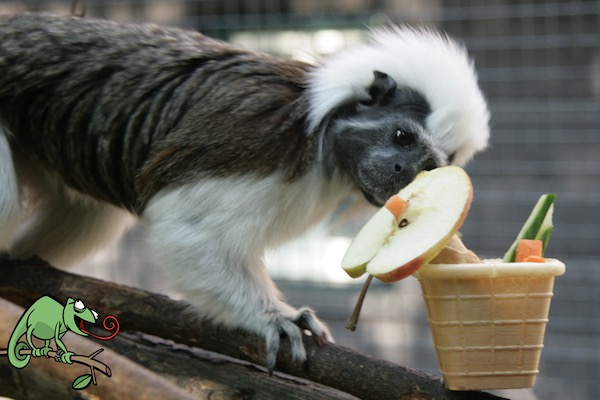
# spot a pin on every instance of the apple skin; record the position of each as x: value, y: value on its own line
x: 404, y: 271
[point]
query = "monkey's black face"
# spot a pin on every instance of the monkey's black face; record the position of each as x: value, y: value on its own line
x: 381, y: 144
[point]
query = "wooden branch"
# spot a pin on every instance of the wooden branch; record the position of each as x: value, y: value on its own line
x: 222, y: 376
x: 204, y: 374
x: 332, y: 365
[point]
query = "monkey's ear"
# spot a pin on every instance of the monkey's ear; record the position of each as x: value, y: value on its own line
x: 382, y: 87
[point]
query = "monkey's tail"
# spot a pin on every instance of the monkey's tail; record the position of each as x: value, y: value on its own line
x: 10, y: 201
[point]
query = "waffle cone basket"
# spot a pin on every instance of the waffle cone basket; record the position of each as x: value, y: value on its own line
x: 488, y: 320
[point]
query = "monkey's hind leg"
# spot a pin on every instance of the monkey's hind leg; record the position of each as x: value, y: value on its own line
x: 10, y: 196
x: 64, y: 226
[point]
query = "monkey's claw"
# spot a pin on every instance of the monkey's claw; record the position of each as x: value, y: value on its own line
x: 293, y: 327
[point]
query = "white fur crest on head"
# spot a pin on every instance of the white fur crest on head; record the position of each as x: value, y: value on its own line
x: 423, y: 60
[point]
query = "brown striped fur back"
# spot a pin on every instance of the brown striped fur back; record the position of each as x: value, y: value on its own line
x: 120, y: 111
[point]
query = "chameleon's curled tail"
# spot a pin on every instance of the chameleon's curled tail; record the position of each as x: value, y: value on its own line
x: 15, y: 357
x: 14, y: 351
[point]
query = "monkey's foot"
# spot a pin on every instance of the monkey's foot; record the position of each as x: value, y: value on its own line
x: 292, y: 326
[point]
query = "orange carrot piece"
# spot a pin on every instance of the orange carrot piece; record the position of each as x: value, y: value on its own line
x: 535, y: 259
x: 527, y: 248
x: 396, y: 205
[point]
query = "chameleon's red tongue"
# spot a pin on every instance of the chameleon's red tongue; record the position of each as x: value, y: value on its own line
x: 110, y: 323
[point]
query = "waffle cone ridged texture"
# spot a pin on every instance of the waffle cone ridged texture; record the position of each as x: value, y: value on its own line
x: 488, y: 321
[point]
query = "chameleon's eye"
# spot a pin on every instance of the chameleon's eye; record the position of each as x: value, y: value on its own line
x: 79, y: 306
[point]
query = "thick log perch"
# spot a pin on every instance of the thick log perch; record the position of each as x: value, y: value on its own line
x: 332, y: 366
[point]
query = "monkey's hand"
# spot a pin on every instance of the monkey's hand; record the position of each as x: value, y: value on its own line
x: 292, y: 324
x: 259, y: 311
x: 269, y: 317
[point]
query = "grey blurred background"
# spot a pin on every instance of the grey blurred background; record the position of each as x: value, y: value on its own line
x: 539, y: 66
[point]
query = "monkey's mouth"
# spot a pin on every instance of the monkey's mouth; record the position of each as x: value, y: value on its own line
x: 377, y: 195
x: 371, y: 199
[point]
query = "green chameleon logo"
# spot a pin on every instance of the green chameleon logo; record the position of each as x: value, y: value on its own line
x: 47, y: 319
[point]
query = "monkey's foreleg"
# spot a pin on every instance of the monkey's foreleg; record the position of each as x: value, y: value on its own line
x: 212, y: 241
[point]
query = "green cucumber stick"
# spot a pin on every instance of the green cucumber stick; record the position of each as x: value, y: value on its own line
x: 546, y: 228
x: 538, y: 225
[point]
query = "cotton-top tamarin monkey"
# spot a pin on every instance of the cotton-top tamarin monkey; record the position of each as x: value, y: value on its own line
x: 221, y: 150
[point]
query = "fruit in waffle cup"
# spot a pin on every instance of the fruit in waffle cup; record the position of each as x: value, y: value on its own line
x: 488, y: 317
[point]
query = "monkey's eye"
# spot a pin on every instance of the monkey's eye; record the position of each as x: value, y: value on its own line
x: 403, y: 138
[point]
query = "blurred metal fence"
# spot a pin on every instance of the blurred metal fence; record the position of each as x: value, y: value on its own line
x: 539, y: 66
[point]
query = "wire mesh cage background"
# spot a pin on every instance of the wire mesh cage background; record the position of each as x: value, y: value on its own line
x: 539, y: 66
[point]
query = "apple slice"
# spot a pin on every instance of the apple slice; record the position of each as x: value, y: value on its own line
x: 391, y: 247
x: 373, y: 236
